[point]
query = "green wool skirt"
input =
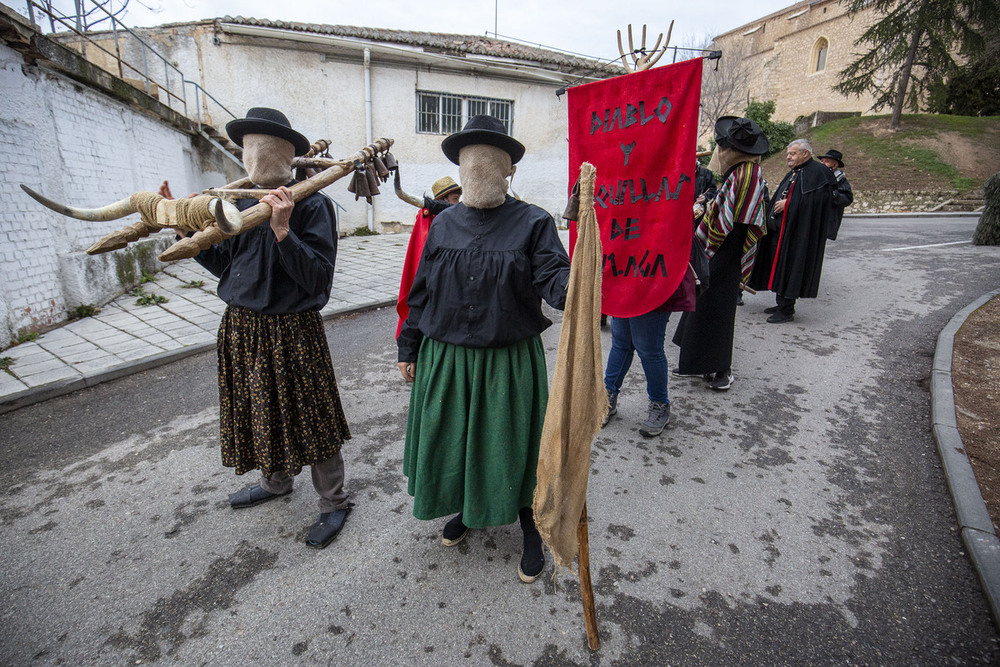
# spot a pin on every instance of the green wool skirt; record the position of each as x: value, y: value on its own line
x: 278, y: 399
x: 473, y: 430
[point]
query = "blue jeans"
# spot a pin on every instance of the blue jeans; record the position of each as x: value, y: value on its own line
x: 644, y: 334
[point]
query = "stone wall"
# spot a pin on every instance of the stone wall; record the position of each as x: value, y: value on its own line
x: 898, y: 201
x: 780, y: 51
x: 815, y: 119
x: 79, y: 146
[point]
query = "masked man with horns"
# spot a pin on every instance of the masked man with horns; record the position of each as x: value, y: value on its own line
x: 471, y: 346
x: 280, y: 408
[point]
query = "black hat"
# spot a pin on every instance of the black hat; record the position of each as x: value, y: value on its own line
x: 742, y: 134
x: 261, y: 120
x: 834, y: 155
x: 482, y: 130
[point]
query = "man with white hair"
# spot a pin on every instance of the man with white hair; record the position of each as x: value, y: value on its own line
x: 790, y: 257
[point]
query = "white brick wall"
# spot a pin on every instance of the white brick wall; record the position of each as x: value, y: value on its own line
x: 83, y: 148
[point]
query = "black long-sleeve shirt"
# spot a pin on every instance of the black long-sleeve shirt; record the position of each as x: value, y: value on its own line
x: 704, y: 184
x: 482, y: 278
x: 258, y: 273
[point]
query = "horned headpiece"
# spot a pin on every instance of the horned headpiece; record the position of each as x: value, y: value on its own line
x: 213, y: 216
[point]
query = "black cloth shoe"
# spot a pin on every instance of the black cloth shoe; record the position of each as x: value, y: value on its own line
x: 780, y: 317
x: 454, y: 531
x: 250, y: 496
x: 326, y: 528
x: 772, y: 310
x: 532, y: 558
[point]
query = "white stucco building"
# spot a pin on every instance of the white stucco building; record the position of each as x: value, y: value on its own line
x: 349, y: 84
x: 87, y: 128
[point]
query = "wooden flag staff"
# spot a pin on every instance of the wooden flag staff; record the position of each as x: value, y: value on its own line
x: 586, y: 587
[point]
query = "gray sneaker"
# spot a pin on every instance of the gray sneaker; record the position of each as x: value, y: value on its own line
x: 612, y: 408
x: 722, y: 381
x: 656, y: 420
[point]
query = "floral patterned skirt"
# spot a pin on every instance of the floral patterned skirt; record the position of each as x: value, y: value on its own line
x: 280, y: 408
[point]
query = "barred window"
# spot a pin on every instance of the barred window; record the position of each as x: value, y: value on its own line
x: 441, y: 113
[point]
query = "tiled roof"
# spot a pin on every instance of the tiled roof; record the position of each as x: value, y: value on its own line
x: 476, y: 45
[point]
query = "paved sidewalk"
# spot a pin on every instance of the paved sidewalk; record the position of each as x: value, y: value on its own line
x: 125, y: 337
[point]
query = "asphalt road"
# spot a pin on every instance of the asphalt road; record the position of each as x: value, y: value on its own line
x: 800, y: 518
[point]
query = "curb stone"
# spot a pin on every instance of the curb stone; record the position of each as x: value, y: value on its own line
x: 978, y: 533
x: 45, y: 392
x: 917, y: 214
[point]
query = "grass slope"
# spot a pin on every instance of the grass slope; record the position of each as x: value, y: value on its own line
x: 929, y: 152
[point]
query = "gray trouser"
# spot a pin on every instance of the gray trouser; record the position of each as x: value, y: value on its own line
x: 327, y: 478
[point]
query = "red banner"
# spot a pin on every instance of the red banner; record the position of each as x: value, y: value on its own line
x: 640, y: 131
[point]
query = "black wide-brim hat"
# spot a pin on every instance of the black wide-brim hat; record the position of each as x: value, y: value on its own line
x: 261, y: 120
x: 742, y: 134
x: 482, y: 130
x: 834, y: 155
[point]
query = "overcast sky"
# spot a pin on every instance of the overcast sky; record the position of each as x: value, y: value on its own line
x: 582, y: 26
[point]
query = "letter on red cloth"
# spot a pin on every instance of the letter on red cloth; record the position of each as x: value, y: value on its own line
x: 640, y: 130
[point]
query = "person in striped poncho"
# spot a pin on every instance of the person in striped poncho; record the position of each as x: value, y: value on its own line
x: 730, y: 228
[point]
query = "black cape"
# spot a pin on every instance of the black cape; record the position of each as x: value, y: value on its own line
x: 790, y: 257
x: 843, y: 197
x: 704, y: 183
x: 706, y: 335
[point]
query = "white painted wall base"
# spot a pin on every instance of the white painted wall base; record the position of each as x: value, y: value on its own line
x: 83, y: 148
x: 98, y: 279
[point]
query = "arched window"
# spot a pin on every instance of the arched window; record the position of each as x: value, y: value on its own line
x: 819, y: 54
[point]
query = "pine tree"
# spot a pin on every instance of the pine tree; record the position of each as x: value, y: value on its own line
x: 779, y: 133
x: 912, y: 48
x: 988, y: 230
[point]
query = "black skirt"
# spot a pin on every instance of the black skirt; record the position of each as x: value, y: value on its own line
x: 280, y: 408
x: 706, y: 335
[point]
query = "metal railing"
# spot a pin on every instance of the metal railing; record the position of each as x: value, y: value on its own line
x: 133, y: 54
x: 132, y: 59
x: 201, y: 100
x: 125, y: 54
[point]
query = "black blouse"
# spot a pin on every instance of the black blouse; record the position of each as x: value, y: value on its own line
x: 482, y: 278
x: 258, y: 273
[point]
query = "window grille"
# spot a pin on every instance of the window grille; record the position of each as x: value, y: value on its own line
x: 442, y: 113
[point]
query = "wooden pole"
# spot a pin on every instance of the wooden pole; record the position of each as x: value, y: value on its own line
x: 586, y: 587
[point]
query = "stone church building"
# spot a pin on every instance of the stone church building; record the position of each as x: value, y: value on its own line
x: 794, y: 57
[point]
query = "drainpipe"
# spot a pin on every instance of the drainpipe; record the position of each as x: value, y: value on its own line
x: 368, y: 123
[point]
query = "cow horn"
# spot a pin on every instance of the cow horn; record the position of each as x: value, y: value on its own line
x: 402, y: 194
x: 110, y: 212
x: 227, y: 216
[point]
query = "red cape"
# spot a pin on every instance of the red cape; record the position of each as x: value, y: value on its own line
x: 413, y: 252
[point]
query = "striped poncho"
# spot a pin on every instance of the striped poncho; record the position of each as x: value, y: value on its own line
x: 741, y: 200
